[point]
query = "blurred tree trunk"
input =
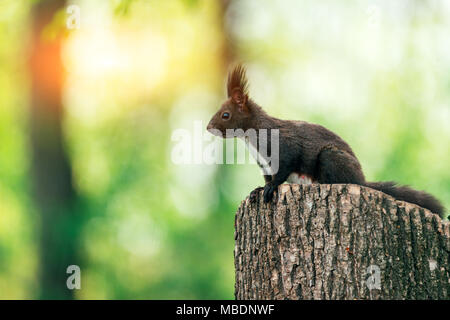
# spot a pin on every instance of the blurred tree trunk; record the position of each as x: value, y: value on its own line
x: 52, y: 183
x: 228, y: 52
x: 340, y: 242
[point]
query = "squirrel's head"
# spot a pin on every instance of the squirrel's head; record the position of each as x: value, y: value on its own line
x: 235, y: 111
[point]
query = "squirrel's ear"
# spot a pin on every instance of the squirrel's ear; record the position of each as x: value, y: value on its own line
x: 237, y: 87
x: 240, y: 98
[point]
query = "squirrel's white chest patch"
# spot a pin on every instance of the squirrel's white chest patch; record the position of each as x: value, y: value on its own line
x: 295, y: 177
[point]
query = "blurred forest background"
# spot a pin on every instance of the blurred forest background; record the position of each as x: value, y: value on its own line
x: 87, y: 114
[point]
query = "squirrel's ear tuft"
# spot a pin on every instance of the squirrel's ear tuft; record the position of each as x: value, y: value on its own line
x: 237, y: 86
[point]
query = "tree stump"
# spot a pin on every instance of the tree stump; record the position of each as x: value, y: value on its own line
x: 339, y: 242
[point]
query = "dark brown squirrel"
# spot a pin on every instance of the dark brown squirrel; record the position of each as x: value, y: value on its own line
x: 305, y: 149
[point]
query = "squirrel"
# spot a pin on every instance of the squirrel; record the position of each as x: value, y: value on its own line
x: 307, y: 152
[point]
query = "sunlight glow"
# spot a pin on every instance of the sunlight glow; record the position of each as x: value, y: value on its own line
x: 111, y: 61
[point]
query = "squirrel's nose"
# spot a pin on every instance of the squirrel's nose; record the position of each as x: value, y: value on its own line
x: 209, y: 126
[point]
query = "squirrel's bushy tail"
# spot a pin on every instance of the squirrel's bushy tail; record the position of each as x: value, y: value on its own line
x: 407, y: 194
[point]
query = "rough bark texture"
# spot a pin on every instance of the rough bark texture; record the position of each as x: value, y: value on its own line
x: 328, y: 242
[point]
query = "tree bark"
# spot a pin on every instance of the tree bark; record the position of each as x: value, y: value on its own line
x: 339, y: 242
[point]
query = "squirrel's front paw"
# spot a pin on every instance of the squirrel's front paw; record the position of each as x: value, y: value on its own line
x: 254, y: 194
x: 268, y: 192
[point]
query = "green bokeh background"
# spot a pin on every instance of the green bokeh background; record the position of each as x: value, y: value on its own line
x: 375, y: 72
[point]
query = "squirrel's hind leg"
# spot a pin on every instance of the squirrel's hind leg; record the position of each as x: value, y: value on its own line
x: 338, y: 166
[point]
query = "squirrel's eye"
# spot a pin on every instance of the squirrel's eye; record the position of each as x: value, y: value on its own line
x: 225, y: 116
